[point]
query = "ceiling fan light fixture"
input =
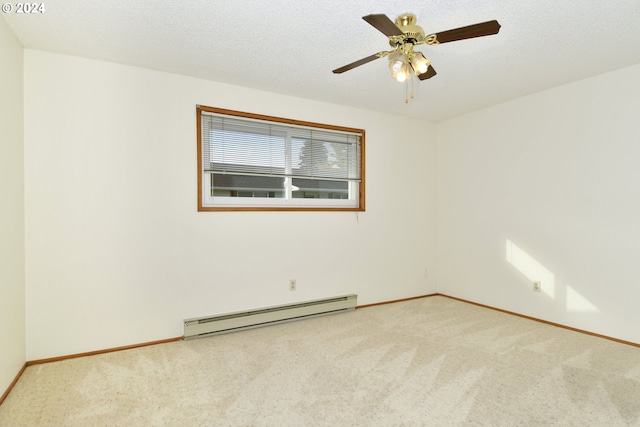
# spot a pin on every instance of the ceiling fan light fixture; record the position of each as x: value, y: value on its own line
x: 402, y: 74
x: 419, y: 63
x: 398, y: 66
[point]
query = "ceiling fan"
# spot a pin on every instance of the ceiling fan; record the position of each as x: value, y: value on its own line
x: 404, y: 35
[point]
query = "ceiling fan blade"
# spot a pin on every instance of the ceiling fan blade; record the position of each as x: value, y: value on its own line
x: 383, y: 24
x: 360, y: 62
x: 427, y: 74
x: 477, y: 30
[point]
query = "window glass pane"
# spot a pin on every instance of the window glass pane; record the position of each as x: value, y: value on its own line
x: 319, y: 189
x: 227, y: 185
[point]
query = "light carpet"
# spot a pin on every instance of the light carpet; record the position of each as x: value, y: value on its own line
x: 425, y: 362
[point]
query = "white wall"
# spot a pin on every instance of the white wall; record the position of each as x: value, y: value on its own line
x: 117, y: 253
x: 12, y: 302
x: 556, y: 174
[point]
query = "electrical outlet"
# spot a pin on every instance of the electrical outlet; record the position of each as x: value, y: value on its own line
x: 536, y: 286
x: 292, y: 284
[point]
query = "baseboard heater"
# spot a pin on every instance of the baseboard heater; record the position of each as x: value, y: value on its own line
x: 240, y: 320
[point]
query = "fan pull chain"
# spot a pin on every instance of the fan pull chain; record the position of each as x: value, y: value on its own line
x: 412, y: 94
x: 406, y: 91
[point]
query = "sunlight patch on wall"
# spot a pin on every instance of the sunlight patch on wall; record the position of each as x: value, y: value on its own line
x: 577, y: 303
x: 531, y: 268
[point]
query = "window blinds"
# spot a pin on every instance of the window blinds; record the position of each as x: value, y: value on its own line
x: 258, y: 147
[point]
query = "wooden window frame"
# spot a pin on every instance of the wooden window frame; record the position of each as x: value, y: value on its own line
x: 208, y: 208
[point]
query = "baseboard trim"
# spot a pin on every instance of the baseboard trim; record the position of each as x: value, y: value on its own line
x: 13, y: 383
x: 108, y: 350
x: 395, y: 301
x: 535, y: 319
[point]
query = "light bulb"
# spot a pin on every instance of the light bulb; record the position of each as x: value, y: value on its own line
x: 398, y: 66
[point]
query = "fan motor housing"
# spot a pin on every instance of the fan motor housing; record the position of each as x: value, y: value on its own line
x: 412, y: 32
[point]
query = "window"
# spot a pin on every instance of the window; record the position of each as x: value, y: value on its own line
x: 254, y: 162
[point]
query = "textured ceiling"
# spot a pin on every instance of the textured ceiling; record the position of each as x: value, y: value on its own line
x: 291, y: 46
